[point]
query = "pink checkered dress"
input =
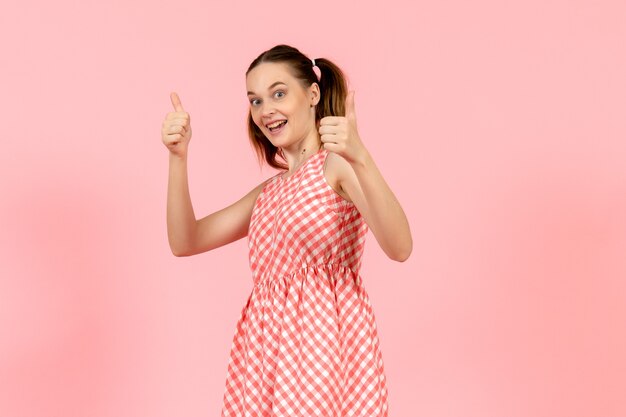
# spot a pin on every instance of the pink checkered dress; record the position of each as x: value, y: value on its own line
x: 305, y: 344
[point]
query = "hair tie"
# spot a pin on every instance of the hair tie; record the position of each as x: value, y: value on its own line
x: 318, y: 71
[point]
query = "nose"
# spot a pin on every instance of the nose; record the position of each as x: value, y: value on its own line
x: 267, y: 110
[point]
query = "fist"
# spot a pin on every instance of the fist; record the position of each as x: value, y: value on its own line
x: 340, y: 134
x: 176, y: 129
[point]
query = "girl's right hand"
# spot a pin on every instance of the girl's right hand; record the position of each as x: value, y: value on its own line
x: 176, y: 130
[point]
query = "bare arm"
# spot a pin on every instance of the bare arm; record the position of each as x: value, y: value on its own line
x: 188, y: 236
x: 359, y: 177
x: 380, y: 208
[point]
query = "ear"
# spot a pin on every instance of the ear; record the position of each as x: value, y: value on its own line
x: 314, y: 94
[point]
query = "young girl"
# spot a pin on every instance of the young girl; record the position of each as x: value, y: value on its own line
x: 306, y: 342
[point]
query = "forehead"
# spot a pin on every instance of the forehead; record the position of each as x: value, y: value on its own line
x: 265, y: 74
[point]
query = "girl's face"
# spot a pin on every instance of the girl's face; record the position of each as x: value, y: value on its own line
x: 275, y: 95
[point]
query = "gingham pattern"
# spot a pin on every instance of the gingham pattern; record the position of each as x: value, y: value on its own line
x: 305, y: 343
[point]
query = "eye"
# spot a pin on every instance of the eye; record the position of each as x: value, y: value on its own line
x: 277, y: 92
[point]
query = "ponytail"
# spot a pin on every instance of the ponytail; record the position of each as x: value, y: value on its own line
x: 333, y: 90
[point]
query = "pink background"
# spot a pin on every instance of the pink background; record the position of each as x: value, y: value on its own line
x: 499, y: 125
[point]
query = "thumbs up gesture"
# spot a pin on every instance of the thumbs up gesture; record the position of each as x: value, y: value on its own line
x: 176, y: 129
x: 340, y: 134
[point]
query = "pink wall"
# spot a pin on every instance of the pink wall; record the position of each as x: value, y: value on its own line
x: 499, y: 125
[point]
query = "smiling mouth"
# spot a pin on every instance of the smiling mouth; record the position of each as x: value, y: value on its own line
x: 277, y: 127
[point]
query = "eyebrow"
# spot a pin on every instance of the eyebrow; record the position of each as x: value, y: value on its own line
x: 270, y: 87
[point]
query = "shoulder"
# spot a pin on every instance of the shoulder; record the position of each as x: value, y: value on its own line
x: 343, y: 175
x: 259, y: 188
x: 337, y: 171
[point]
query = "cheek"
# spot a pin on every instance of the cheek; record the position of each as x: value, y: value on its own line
x: 256, y: 119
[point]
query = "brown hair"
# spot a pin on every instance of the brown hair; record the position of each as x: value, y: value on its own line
x: 333, y: 92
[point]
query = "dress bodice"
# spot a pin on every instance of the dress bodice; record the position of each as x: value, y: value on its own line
x: 300, y: 221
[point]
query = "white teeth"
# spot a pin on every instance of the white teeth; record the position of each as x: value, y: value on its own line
x: 275, y: 124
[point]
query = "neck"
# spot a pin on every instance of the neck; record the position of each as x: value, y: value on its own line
x: 297, y: 157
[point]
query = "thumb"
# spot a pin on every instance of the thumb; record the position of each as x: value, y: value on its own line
x: 350, y: 111
x: 176, y: 102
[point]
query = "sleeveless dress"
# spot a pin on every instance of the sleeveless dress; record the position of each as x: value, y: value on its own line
x: 306, y: 342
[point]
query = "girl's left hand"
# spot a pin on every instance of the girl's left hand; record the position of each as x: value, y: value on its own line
x: 340, y: 134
